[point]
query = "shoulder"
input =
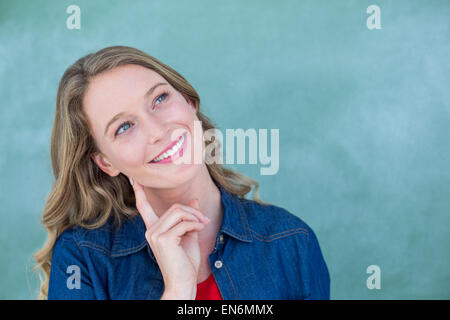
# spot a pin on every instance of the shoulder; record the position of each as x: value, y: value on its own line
x: 100, y: 239
x: 270, y: 222
x: 108, y: 239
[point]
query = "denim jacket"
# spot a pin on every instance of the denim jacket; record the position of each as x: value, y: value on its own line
x: 261, y: 252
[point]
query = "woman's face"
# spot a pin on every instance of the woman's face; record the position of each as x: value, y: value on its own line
x: 152, y: 116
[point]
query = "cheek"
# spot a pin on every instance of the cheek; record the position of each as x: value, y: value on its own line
x: 131, y: 155
x: 179, y: 110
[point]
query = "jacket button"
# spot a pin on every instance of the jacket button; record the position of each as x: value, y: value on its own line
x: 218, y: 264
x: 221, y: 239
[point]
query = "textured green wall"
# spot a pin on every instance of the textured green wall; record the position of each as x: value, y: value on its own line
x: 364, y: 119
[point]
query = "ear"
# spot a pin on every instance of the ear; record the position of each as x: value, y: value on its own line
x: 103, y: 163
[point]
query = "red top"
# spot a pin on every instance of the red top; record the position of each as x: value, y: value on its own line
x: 208, y: 290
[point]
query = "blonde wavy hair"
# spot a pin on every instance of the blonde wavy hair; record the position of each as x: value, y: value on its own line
x: 82, y: 194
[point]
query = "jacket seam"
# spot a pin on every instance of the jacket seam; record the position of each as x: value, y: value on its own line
x: 244, y: 220
x: 116, y: 242
x: 238, y: 236
x: 130, y: 249
x: 309, y: 261
x: 89, y: 244
x: 280, y: 235
x: 282, y: 232
x: 93, y: 246
x: 85, y: 260
x: 151, y: 289
x: 231, y: 281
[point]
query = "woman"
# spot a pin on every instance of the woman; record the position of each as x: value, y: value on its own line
x: 132, y: 215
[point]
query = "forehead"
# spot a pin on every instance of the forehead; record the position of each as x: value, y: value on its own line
x: 117, y: 90
x: 120, y: 85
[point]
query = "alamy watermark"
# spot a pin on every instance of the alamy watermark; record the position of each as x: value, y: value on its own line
x: 74, y: 280
x: 208, y: 147
x: 374, y: 20
x: 374, y: 280
x: 74, y: 20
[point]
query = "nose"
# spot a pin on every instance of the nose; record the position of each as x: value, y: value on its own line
x: 155, y: 130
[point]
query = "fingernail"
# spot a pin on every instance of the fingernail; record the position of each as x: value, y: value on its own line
x: 131, y: 181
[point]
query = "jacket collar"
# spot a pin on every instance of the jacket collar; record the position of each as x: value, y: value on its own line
x: 131, y: 236
x: 234, y: 220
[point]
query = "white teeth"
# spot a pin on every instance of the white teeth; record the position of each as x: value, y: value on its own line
x: 170, y: 152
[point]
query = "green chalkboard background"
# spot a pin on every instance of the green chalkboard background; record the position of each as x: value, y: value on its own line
x: 364, y: 119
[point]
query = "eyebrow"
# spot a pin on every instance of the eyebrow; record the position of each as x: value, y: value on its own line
x: 146, y: 96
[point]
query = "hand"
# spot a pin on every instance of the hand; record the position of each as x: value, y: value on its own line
x: 173, y: 238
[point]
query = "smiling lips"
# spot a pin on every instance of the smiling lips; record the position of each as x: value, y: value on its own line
x: 173, y: 148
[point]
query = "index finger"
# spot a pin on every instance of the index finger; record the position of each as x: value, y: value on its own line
x: 144, y: 207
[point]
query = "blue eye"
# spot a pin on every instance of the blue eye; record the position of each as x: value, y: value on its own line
x: 119, y: 131
x: 121, y: 126
x: 164, y: 94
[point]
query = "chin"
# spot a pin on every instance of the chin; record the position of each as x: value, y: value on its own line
x: 174, y: 178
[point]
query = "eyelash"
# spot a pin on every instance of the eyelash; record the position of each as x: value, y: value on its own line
x: 128, y: 122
